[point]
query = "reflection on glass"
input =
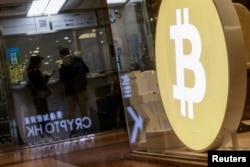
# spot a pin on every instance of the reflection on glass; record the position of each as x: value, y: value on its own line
x: 93, y: 47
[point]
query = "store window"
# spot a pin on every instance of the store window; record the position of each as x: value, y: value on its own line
x: 134, y: 30
x: 104, y: 105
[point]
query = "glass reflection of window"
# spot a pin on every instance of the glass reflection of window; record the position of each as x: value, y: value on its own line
x: 95, y: 50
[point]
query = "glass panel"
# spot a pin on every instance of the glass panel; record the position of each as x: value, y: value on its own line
x: 95, y: 50
x: 47, y: 45
x: 134, y: 48
x: 133, y: 26
x: 103, y: 105
x: 132, y: 36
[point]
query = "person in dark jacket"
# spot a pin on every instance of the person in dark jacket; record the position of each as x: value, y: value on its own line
x: 73, y: 76
x: 37, y: 83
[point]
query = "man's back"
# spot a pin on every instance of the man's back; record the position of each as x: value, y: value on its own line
x: 73, y: 74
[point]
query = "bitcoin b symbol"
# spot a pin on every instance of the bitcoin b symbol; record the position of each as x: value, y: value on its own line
x: 195, y: 94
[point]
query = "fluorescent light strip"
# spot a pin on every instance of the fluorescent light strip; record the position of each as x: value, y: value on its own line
x: 40, y: 7
x: 54, y: 6
x: 115, y: 1
x: 37, y: 7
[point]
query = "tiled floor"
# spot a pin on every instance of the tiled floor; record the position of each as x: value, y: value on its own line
x: 103, y: 150
x: 109, y: 150
x: 108, y: 156
x: 42, y: 163
x: 55, y: 163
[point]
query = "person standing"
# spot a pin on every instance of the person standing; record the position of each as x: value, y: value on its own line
x: 39, y: 89
x: 73, y: 76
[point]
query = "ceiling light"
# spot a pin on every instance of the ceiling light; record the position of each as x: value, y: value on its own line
x: 87, y: 35
x: 37, y: 7
x: 115, y: 1
x: 54, y: 6
x: 40, y: 7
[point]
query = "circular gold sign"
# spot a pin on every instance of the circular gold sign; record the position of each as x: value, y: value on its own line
x: 201, y: 70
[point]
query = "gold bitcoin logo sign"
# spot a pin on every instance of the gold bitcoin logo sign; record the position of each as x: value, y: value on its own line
x: 196, y: 65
